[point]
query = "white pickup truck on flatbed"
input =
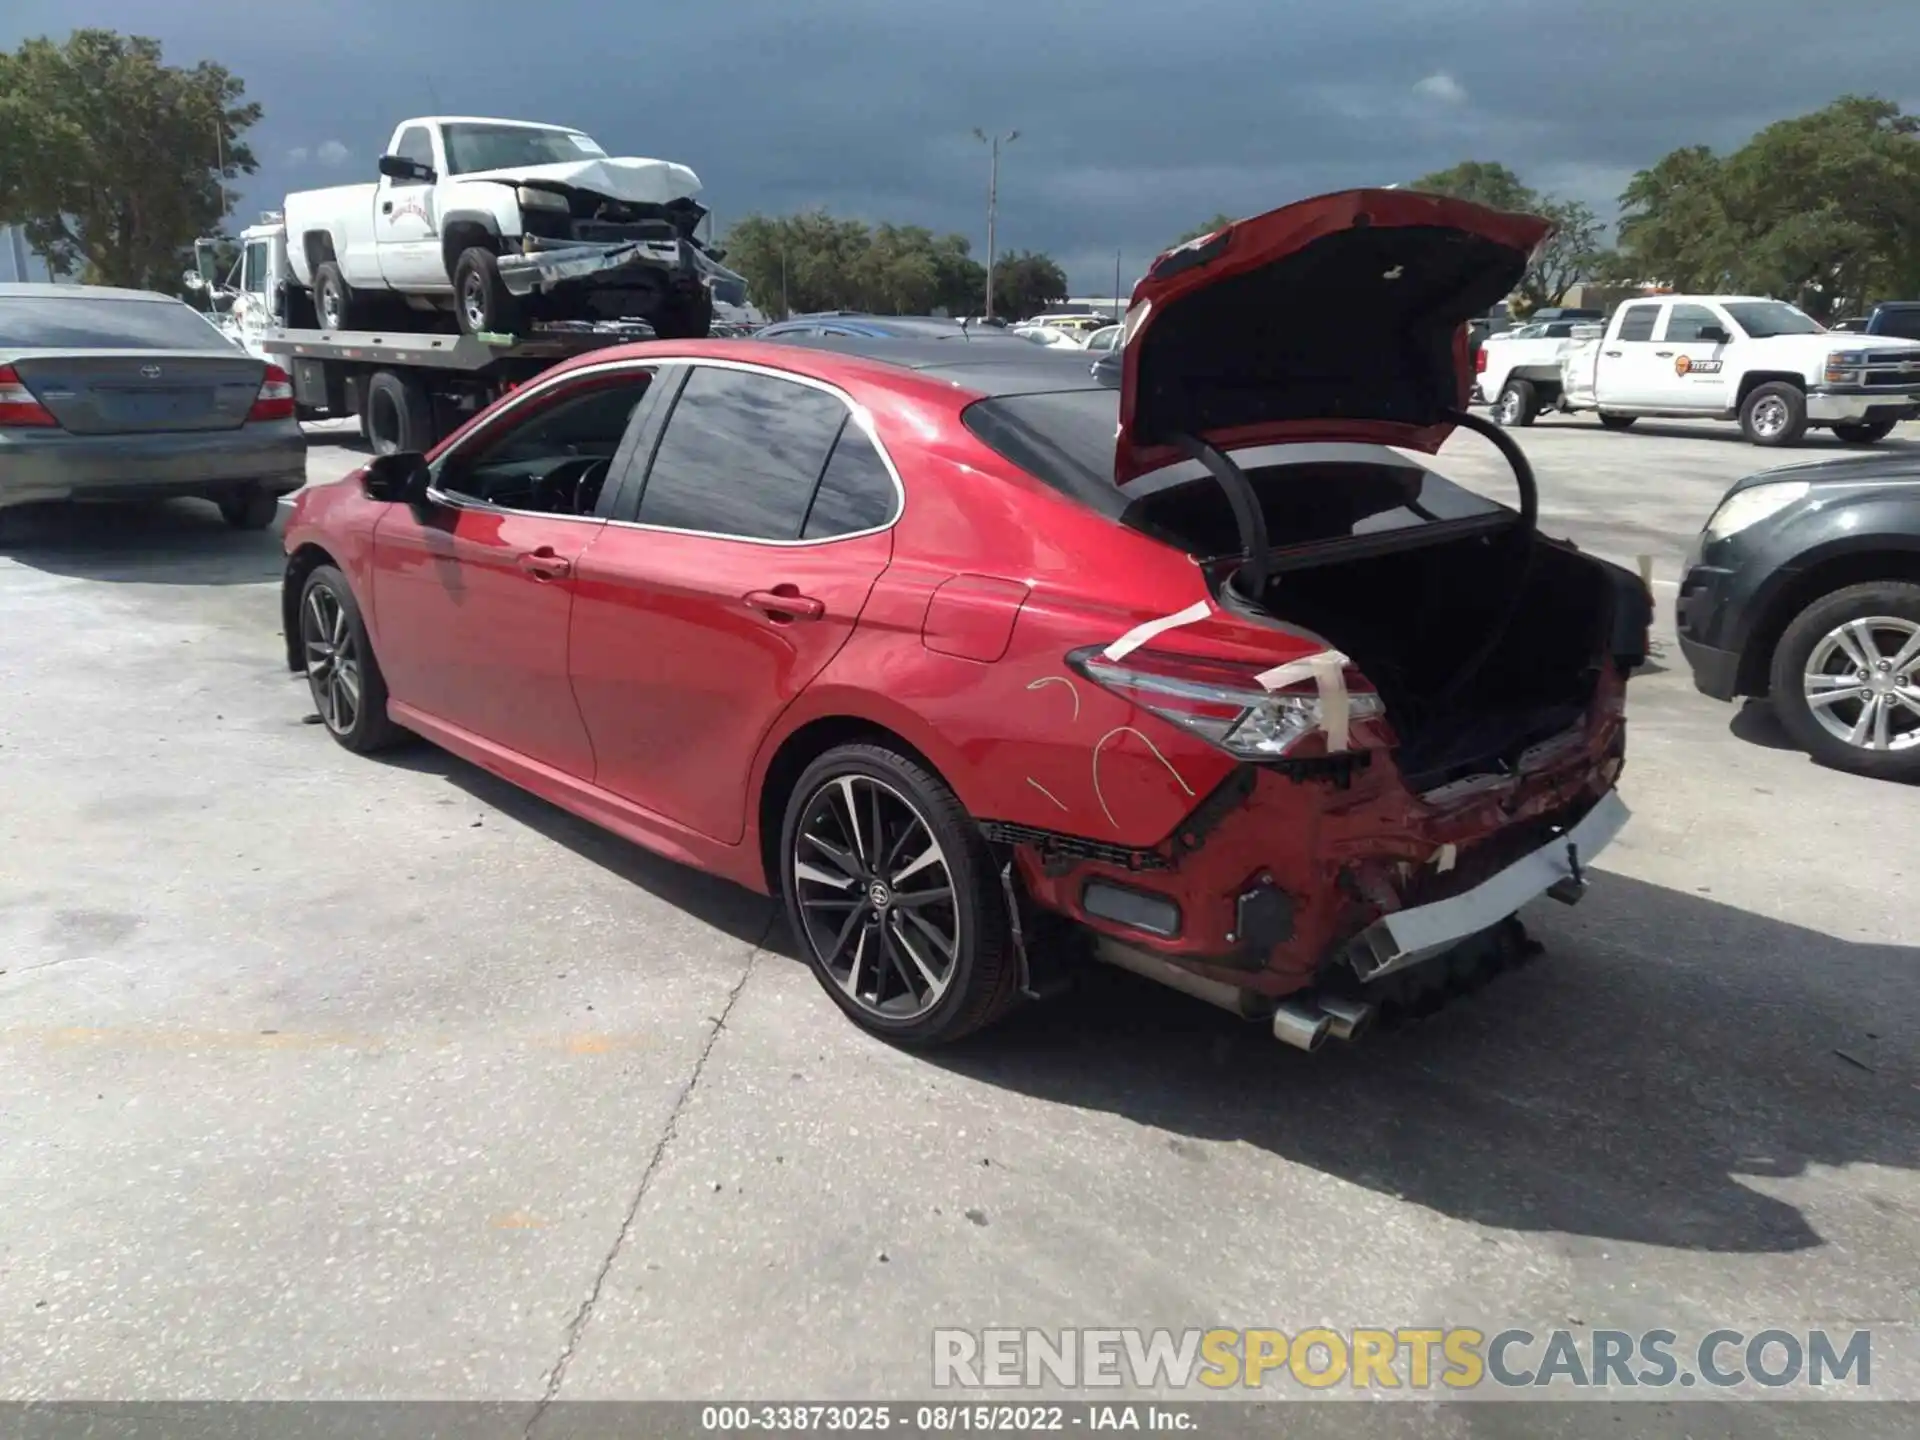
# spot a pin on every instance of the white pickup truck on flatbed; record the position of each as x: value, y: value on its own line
x: 505, y: 222
x: 1761, y: 362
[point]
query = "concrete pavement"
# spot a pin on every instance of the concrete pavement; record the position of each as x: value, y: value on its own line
x: 333, y: 1077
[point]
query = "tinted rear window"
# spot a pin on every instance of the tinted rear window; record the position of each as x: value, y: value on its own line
x: 1903, y: 323
x: 1309, y: 493
x: 34, y: 322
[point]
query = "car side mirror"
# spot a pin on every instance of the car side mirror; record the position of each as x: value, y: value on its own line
x: 1713, y: 335
x: 399, y: 167
x: 401, y: 478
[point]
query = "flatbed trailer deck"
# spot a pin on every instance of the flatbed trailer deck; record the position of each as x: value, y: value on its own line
x: 408, y: 391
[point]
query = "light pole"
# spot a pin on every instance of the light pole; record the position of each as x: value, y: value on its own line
x: 993, y: 143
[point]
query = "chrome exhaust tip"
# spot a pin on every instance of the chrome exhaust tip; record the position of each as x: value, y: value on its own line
x: 1300, y: 1026
x: 1347, y: 1019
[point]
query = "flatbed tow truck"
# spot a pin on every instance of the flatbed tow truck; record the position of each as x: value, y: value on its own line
x: 408, y: 390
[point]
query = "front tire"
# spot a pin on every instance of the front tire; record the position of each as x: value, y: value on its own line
x: 482, y: 301
x: 344, y: 678
x: 1518, y: 404
x: 1867, y: 432
x: 251, y: 509
x: 1617, y: 422
x: 1774, y: 415
x: 1845, y: 679
x: 891, y: 892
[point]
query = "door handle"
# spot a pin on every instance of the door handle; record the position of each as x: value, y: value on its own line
x: 1614, y: 353
x: 544, y: 564
x: 386, y: 207
x: 785, y: 603
x: 1664, y: 354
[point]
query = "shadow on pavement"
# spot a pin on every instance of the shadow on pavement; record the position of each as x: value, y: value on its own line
x: 1727, y: 432
x: 1630, y: 1085
x: 1642, y: 1081
x: 165, y: 542
x: 720, y: 903
x: 1756, y: 723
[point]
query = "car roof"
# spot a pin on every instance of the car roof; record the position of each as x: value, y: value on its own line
x: 40, y: 290
x: 1015, y: 367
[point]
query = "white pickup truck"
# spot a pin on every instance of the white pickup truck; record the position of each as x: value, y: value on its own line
x: 1517, y: 371
x: 505, y: 222
x: 1742, y: 357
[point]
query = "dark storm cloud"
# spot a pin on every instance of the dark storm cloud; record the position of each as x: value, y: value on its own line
x: 1138, y: 119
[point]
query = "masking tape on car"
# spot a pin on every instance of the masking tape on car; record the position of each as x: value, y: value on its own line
x: 1141, y: 634
x: 1328, y: 671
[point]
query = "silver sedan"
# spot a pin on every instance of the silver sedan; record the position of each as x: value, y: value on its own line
x: 112, y: 394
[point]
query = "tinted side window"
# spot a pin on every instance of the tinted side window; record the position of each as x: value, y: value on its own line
x: 415, y: 144
x: 1639, y: 322
x: 554, y: 458
x: 741, y: 455
x: 1685, y: 322
x: 856, y: 493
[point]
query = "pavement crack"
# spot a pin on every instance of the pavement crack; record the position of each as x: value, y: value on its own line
x: 578, y: 1325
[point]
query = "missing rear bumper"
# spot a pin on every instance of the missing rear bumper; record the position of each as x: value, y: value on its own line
x: 1406, y: 937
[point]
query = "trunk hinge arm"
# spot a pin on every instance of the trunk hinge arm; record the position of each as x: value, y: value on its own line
x: 1247, y: 514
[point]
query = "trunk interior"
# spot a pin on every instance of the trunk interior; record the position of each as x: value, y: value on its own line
x: 1413, y: 620
x: 1414, y: 607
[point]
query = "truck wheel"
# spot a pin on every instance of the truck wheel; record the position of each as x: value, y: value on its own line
x: 1517, y: 405
x: 1617, y: 422
x: 481, y: 299
x: 1869, y: 432
x: 399, y: 414
x: 251, y: 509
x: 1775, y: 414
x: 685, y: 316
x: 334, y: 303
x: 1845, y: 679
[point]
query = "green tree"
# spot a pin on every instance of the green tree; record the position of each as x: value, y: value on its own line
x: 1026, y: 283
x: 112, y: 161
x: 812, y: 261
x: 1822, y: 209
x: 1571, y: 254
x: 1220, y: 221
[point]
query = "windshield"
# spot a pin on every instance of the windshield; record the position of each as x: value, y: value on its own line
x: 1762, y: 319
x: 37, y: 322
x: 473, y: 147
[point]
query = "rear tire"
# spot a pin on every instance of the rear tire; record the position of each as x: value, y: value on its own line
x: 1869, y: 432
x: 398, y: 414
x: 481, y: 301
x: 343, y: 677
x: 685, y: 317
x: 1617, y: 422
x: 335, y: 304
x: 871, y: 842
x: 1517, y: 405
x: 1774, y: 415
x: 252, y: 509
x: 1813, y: 643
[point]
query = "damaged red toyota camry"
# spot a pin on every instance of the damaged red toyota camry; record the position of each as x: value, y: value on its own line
x: 989, y: 659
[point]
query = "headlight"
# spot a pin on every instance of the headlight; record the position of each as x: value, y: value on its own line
x: 1844, y: 367
x: 535, y: 199
x: 1750, y: 507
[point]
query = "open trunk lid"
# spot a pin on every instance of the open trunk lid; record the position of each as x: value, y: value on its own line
x: 1337, y: 318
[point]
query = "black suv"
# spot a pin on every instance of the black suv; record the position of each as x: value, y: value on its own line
x: 1804, y: 587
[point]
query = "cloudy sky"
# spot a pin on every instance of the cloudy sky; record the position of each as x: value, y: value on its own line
x: 1138, y: 118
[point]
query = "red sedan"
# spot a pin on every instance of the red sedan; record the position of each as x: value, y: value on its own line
x: 983, y: 657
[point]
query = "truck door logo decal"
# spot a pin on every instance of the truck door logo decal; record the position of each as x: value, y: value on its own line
x: 1687, y: 365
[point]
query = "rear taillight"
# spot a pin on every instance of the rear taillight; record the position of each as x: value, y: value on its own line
x: 275, y: 400
x: 1225, y: 703
x: 18, y: 405
x: 1480, y: 361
